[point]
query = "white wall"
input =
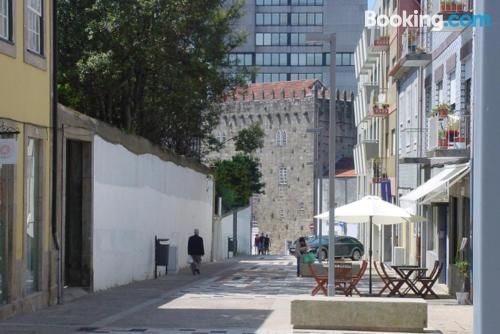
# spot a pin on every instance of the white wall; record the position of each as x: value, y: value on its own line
x: 136, y: 198
x: 224, y: 230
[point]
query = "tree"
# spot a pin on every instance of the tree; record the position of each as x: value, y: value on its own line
x: 250, y: 139
x: 151, y: 67
x: 238, y: 179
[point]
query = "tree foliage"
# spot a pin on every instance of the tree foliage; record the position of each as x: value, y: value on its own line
x: 151, y: 67
x: 250, y: 139
x: 237, y: 180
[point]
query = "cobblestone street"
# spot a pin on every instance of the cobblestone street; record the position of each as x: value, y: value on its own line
x: 251, y: 295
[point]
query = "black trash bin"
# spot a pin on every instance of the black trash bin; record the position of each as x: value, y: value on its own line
x: 162, y: 248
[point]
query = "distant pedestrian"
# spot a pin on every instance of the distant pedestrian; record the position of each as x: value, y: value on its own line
x: 257, y: 243
x: 196, y: 250
x: 300, y: 250
x: 267, y: 244
x: 261, y: 244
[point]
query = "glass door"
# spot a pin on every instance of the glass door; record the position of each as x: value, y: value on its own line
x: 33, y: 215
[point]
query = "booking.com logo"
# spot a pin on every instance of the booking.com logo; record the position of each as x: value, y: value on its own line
x: 436, y: 22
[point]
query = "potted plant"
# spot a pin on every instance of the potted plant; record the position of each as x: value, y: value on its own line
x: 442, y: 110
x: 463, y: 267
x: 442, y: 139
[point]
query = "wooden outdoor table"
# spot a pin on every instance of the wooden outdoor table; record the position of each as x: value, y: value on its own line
x: 405, y: 272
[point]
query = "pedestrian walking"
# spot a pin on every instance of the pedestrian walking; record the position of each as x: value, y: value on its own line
x: 256, y: 243
x: 261, y: 244
x: 196, y: 250
x: 267, y: 244
x: 300, y: 250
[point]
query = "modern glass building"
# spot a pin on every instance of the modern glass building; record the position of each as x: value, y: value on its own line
x: 277, y: 44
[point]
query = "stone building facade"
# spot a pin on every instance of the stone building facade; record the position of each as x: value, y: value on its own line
x: 286, y: 111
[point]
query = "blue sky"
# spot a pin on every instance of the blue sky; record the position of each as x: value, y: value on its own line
x: 370, y: 3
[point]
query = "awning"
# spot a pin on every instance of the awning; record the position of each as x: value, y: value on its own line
x: 437, y: 184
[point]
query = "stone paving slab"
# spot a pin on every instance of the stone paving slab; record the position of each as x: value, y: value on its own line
x: 251, y: 295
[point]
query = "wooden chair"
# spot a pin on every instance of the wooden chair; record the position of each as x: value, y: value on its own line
x: 343, y: 275
x: 321, y: 281
x: 393, y: 284
x: 356, y: 279
x: 428, y: 282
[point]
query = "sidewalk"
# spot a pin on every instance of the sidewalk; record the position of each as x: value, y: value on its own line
x: 247, y: 295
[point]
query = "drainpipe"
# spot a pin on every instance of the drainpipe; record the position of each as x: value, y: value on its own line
x: 55, y: 149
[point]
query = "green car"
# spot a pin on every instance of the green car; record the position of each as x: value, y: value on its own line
x: 345, y: 246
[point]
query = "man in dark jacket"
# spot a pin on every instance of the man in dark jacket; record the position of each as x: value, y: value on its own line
x: 196, y: 250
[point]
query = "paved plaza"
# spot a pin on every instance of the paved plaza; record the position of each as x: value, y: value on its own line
x: 250, y: 295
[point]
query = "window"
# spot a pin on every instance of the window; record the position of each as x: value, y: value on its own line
x: 299, y: 39
x: 33, y: 213
x: 271, y: 2
x: 6, y: 19
x: 271, y: 19
x: 344, y: 59
x: 281, y: 138
x: 453, y: 88
x: 270, y: 77
x: 240, y: 59
x: 306, y: 59
x: 306, y: 76
x: 269, y: 39
x: 439, y: 93
x: 271, y: 59
x: 306, y: 19
x: 282, y: 214
x: 307, y: 2
x: 35, y: 26
x: 283, y: 176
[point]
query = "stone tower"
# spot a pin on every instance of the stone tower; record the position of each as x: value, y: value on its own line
x: 286, y: 110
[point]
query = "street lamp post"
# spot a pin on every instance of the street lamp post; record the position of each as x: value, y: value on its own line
x: 332, y: 38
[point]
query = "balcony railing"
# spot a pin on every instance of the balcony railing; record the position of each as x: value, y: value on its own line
x: 414, y: 42
x: 456, y: 6
x: 376, y: 171
x: 450, y: 132
x: 379, y: 41
x: 379, y: 110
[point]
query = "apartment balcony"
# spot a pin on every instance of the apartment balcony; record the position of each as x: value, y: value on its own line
x: 367, y: 93
x: 449, y: 136
x: 379, y: 110
x: 364, y: 57
x: 414, y: 50
x: 376, y: 171
x: 370, y: 148
x: 364, y: 153
x: 448, y: 8
x: 379, y: 42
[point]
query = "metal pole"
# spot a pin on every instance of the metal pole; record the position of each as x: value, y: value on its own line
x: 319, y: 222
x: 331, y: 164
x: 486, y: 136
x: 370, y: 253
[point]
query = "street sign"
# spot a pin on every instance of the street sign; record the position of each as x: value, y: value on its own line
x: 8, y: 151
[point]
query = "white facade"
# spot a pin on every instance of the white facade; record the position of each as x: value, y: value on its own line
x: 135, y: 198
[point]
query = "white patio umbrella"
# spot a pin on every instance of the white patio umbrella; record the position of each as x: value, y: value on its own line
x: 373, y: 210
